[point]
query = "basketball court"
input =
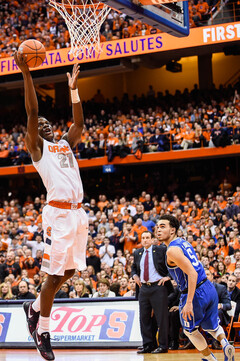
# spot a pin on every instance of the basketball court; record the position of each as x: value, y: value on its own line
x: 107, y: 355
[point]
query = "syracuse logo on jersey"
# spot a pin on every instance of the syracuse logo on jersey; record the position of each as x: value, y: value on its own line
x: 58, y: 149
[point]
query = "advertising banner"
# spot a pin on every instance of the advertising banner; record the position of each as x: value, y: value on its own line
x: 99, y: 324
x: 201, y: 36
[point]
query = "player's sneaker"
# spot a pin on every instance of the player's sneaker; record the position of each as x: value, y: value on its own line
x: 43, y: 345
x: 229, y: 352
x: 32, y: 317
x: 213, y: 358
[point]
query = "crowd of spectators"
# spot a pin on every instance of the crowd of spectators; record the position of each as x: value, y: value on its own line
x: 22, y: 20
x: 150, y: 123
x: 211, y: 225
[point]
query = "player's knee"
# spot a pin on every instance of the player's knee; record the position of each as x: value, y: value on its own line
x: 54, y: 280
x: 197, y: 339
x: 217, y: 332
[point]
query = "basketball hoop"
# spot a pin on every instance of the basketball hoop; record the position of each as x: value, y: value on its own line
x: 83, y: 19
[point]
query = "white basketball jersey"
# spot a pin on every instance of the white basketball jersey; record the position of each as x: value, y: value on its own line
x: 59, y: 171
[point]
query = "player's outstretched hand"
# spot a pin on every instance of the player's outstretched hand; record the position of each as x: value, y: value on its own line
x: 20, y: 61
x: 72, y: 79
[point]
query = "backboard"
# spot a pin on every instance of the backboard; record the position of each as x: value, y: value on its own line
x: 172, y: 18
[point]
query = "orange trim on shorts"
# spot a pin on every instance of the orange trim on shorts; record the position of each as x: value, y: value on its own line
x: 46, y: 256
x: 65, y: 205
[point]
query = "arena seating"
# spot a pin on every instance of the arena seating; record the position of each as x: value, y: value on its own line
x: 211, y: 225
x: 21, y: 20
x: 153, y: 126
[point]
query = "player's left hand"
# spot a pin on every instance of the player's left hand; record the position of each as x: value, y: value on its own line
x: 187, y: 312
x: 163, y: 280
x: 72, y: 79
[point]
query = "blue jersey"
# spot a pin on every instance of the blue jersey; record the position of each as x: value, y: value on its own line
x: 177, y: 274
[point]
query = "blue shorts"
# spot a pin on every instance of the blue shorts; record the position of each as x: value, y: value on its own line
x: 205, y: 308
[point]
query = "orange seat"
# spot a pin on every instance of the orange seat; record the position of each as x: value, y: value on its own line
x: 231, y: 313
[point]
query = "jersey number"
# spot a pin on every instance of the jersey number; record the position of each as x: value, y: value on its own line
x: 66, y: 160
x: 193, y: 257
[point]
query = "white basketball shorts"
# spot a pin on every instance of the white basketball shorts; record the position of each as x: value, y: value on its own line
x: 65, y: 238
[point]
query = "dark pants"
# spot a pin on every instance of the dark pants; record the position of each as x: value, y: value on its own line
x: 154, y: 298
x: 174, y: 325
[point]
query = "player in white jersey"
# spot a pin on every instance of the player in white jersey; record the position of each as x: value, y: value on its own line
x: 65, y: 223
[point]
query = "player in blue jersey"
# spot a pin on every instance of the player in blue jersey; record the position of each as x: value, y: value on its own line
x: 199, y: 300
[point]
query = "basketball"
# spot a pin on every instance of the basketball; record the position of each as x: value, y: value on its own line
x: 35, y: 52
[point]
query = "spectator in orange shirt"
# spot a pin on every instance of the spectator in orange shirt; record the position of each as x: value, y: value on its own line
x: 3, y: 153
x: 225, y: 186
x: 102, y: 202
x: 177, y: 139
x: 207, y: 135
x: 132, y: 28
x: 223, y: 248
x: 144, y: 31
x: 203, y: 8
x: 30, y: 266
x: 48, y: 45
x: 139, y: 229
x: 112, y: 146
x: 3, y: 246
x: 230, y: 267
x: 237, y: 256
x: 233, y: 240
x: 129, y: 238
x: 221, y: 201
x: 191, y: 5
x: 188, y: 138
x: 123, y: 285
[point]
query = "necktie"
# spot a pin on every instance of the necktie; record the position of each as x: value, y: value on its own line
x: 146, y: 267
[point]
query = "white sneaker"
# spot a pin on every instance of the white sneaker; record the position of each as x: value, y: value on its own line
x: 228, y: 352
x: 212, y: 358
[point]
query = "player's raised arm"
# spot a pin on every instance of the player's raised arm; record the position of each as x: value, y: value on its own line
x: 175, y: 254
x: 33, y: 140
x: 75, y: 131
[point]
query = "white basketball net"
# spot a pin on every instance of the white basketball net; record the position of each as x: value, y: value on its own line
x: 83, y: 19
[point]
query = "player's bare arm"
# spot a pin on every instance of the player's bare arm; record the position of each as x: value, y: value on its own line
x: 175, y: 257
x: 33, y: 141
x: 74, y: 134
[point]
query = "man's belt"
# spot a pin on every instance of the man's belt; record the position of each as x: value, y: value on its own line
x: 149, y: 284
x: 198, y: 285
x: 65, y: 205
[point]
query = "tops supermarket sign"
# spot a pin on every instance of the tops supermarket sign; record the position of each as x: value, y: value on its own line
x: 135, y: 46
x: 90, y: 323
